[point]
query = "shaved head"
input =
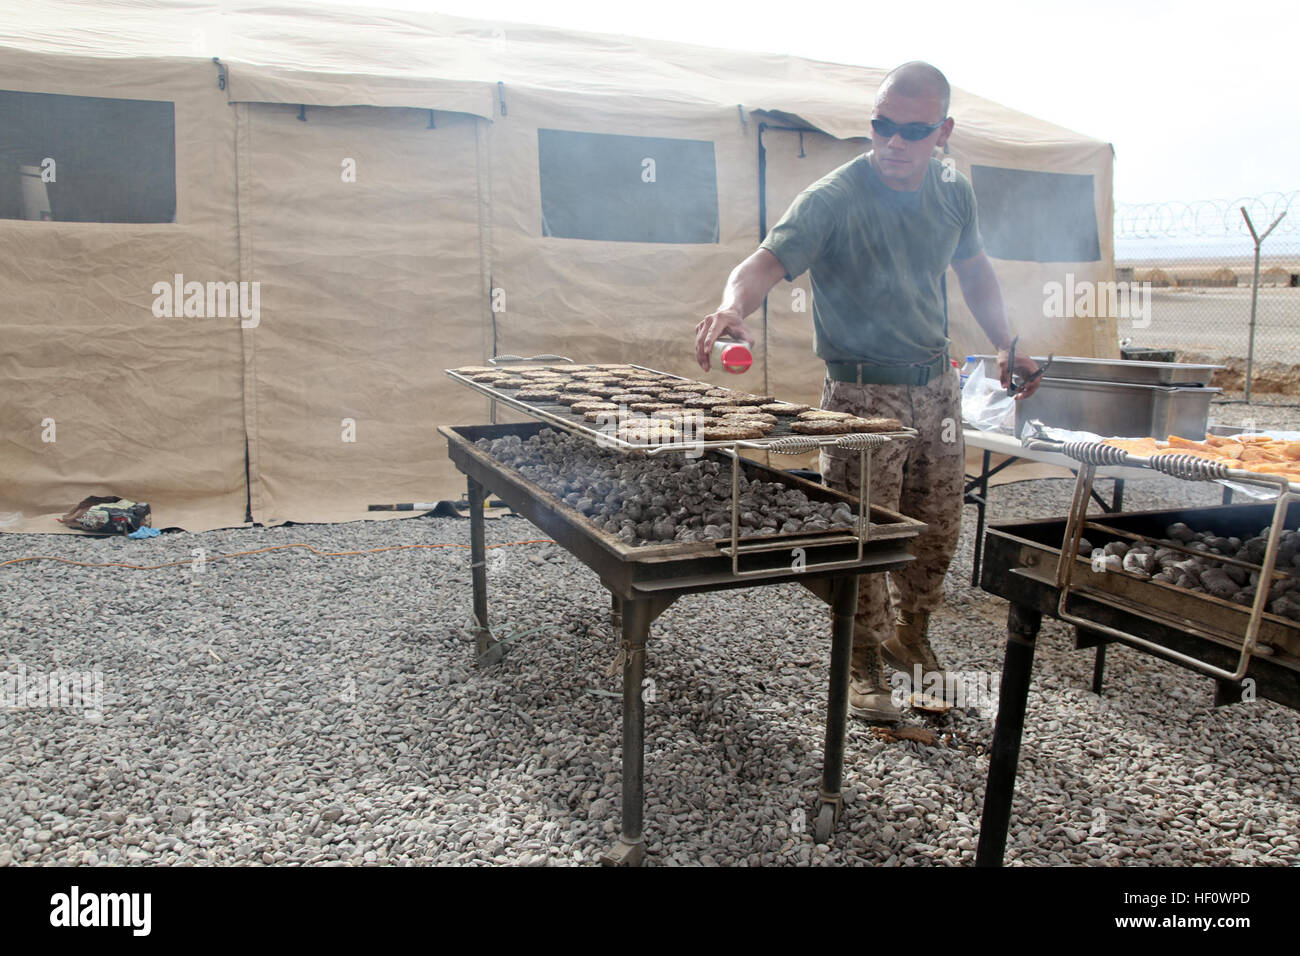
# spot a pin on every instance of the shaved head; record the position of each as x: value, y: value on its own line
x: 916, y: 80
x: 910, y: 96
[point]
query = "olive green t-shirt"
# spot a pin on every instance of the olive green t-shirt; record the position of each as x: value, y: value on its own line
x: 877, y: 257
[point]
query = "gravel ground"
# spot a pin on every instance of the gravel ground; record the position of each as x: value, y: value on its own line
x: 291, y: 708
x: 1268, y: 410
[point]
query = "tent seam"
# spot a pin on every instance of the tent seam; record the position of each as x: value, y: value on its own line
x: 243, y: 235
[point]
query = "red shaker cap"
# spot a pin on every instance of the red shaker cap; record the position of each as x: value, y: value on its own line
x: 736, y: 358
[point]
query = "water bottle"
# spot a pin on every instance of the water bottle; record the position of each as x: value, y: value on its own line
x: 968, y: 368
x: 734, y: 357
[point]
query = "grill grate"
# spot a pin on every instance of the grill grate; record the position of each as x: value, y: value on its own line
x: 564, y: 417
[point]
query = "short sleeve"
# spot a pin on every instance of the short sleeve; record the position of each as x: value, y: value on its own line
x: 801, y: 235
x: 969, y: 243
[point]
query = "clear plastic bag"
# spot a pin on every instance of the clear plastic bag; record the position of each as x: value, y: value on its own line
x: 986, y: 405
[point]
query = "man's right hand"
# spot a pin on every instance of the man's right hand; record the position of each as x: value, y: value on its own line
x: 746, y: 286
x: 713, y: 327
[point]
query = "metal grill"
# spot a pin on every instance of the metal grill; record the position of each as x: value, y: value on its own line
x: 644, y: 581
x: 1189, y: 468
x: 1036, y: 566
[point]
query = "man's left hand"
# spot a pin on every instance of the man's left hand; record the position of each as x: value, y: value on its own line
x: 1025, y: 367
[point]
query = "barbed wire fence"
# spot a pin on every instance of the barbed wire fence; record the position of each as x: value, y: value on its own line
x: 1200, y: 259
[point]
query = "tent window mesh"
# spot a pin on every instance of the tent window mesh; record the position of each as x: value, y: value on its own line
x: 86, y: 158
x: 627, y: 188
x: 1036, y: 217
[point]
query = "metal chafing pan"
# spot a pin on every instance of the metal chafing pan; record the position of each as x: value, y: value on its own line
x: 1120, y: 371
x: 1119, y: 408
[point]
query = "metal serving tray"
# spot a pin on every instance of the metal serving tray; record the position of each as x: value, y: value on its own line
x: 1132, y: 373
x: 1116, y: 409
x: 1121, y: 371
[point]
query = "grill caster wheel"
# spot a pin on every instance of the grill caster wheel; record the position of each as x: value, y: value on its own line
x: 824, y: 823
x: 492, y: 656
x: 624, y: 853
x: 488, y: 650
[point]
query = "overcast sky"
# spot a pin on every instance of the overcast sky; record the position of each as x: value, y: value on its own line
x: 1199, y: 99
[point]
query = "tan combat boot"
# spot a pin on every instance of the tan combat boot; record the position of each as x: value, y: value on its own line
x: 869, y: 695
x: 909, y: 647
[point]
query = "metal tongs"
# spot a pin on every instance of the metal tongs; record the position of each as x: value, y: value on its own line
x: 1016, y: 386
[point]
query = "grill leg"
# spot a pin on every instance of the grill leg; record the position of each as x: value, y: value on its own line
x: 1023, y: 624
x: 1098, y: 669
x: 630, y: 848
x: 981, y: 502
x: 615, y: 613
x: 488, y: 651
x: 844, y: 604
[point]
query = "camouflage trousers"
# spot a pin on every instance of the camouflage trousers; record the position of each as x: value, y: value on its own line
x: 923, y: 478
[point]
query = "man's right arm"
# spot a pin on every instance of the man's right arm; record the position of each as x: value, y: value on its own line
x: 748, y: 283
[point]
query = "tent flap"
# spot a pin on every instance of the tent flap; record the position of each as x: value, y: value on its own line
x: 253, y: 83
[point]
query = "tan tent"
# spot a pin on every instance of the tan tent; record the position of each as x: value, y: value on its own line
x: 1156, y: 276
x: 1204, y: 275
x: 411, y: 192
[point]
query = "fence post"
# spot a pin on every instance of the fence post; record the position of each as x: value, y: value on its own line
x: 1254, y: 294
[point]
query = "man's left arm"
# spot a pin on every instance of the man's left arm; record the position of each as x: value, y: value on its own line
x: 983, y: 295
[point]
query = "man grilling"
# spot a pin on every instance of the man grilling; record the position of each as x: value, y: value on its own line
x: 878, y: 235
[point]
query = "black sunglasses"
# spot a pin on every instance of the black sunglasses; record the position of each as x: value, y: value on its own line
x: 912, y: 132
